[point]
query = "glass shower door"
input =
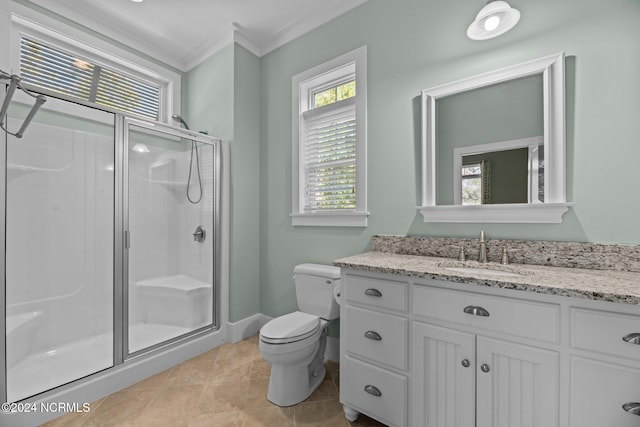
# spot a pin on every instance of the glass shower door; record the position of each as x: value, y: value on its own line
x: 169, y: 234
x: 59, y: 246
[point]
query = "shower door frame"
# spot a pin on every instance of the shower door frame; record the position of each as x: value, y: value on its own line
x: 122, y: 159
x: 219, y: 234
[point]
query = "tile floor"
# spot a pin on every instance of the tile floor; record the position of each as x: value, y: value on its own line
x: 226, y: 386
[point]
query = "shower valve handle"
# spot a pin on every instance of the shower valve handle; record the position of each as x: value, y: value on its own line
x: 200, y: 234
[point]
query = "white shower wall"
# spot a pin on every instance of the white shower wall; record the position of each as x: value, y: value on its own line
x: 60, y: 191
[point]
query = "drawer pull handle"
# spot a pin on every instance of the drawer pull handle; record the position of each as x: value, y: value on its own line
x: 476, y: 311
x: 632, y: 338
x: 373, y: 336
x: 373, y: 390
x: 373, y: 292
x: 632, y: 408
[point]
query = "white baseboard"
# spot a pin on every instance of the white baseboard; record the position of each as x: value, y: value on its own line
x: 237, y: 331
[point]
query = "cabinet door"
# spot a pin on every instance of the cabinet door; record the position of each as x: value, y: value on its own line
x: 517, y: 385
x: 443, y: 386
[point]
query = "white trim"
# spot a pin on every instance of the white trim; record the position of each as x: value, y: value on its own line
x: 28, y: 21
x: 326, y: 219
x: 245, y: 328
x: 552, y: 69
x: 517, y: 213
x: 354, y: 61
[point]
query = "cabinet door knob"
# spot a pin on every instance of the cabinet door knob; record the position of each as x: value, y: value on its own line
x: 632, y: 408
x: 485, y: 368
x: 632, y: 338
x: 466, y: 363
x: 372, y: 335
x: 373, y: 390
x: 476, y: 311
x: 373, y: 292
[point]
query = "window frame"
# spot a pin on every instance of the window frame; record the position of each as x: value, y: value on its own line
x: 65, y: 38
x: 340, y: 69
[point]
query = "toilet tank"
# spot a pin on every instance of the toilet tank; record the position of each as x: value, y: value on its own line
x: 314, y: 289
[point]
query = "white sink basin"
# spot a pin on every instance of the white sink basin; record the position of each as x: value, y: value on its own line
x: 483, y: 271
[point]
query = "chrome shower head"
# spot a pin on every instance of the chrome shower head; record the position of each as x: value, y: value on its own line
x: 178, y: 118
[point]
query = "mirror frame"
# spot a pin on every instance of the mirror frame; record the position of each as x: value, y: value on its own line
x: 555, y: 205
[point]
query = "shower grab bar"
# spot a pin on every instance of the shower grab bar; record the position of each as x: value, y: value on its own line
x: 13, y: 84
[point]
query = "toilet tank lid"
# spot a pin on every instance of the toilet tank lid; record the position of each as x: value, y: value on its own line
x: 321, y: 270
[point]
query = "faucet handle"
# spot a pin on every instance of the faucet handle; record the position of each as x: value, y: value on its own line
x: 482, y: 237
x: 505, y: 256
x: 462, y: 256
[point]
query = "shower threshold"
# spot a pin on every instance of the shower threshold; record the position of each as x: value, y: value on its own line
x: 40, y: 372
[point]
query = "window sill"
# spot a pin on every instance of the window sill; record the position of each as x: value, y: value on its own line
x: 330, y: 219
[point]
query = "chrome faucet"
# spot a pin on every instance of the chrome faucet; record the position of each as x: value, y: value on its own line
x: 482, y: 254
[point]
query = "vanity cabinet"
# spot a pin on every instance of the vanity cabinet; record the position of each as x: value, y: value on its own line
x: 605, y: 367
x: 374, y: 348
x: 464, y: 378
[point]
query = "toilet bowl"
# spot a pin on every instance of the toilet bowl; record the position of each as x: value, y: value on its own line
x: 294, y: 344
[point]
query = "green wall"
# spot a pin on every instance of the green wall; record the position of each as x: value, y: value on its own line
x: 417, y: 44
x: 220, y: 96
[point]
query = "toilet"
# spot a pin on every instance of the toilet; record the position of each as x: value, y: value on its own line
x: 294, y: 344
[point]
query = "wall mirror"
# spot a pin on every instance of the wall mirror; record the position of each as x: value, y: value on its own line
x: 493, y: 146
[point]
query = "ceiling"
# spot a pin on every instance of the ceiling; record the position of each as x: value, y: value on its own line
x: 183, y: 33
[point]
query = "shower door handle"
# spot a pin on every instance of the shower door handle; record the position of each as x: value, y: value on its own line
x: 127, y: 239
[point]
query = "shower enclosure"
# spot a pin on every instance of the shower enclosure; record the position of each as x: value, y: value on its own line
x: 107, y: 261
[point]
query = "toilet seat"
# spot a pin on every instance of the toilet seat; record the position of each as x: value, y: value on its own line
x: 290, y: 328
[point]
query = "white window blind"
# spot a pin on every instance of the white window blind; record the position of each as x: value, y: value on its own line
x: 61, y: 72
x: 330, y: 157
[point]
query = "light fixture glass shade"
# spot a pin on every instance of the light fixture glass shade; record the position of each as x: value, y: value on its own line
x: 495, y: 18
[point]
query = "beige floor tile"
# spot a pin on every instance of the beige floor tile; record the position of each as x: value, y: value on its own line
x: 244, y: 349
x: 222, y: 419
x: 233, y: 369
x: 226, y: 386
x: 190, y: 372
x: 326, y: 391
x: 260, y: 368
x: 273, y: 416
x: 118, y: 408
x: 257, y: 393
x: 172, y: 402
x: 325, y: 413
x: 223, y: 397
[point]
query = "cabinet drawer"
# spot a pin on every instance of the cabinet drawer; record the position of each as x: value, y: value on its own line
x: 376, y: 292
x: 377, y: 336
x: 520, y: 318
x: 599, y: 391
x: 604, y: 332
x: 389, y: 407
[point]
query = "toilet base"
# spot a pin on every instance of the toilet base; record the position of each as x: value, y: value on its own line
x: 289, y: 385
x: 286, y: 395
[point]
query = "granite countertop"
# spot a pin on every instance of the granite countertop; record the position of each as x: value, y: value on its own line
x: 601, y: 285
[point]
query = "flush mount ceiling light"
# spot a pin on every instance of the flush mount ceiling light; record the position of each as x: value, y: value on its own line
x: 494, y: 19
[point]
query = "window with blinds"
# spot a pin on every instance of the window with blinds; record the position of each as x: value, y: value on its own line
x: 57, y: 71
x: 329, y: 144
x: 330, y: 157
